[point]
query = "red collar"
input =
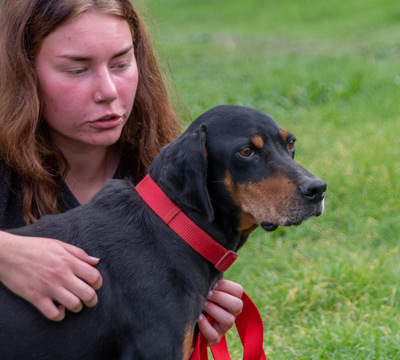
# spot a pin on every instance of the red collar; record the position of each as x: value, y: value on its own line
x: 174, y: 217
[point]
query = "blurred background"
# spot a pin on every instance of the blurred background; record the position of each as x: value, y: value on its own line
x: 329, y: 72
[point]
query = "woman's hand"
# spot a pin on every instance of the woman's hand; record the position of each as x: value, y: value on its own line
x: 45, y: 271
x: 224, y: 305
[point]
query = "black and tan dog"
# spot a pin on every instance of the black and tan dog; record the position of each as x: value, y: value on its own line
x: 230, y: 172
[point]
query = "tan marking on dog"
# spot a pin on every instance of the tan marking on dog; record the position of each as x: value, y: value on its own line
x: 284, y: 134
x: 188, y: 343
x: 273, y: 199
x: 258, y: 142
x: 246, y: 221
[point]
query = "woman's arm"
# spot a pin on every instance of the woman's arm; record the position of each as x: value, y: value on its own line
x: 224, y: 305
x: 43, y: 271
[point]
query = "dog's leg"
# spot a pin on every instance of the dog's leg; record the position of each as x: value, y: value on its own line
x: 188, y: 344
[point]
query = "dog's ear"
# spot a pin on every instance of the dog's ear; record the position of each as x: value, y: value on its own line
x: 181, y: 171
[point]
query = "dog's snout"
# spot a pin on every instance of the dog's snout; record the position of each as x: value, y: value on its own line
x: 313, y: 190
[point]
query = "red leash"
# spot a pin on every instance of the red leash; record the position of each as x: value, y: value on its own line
x: 250, y: 328
x: 249, y: 322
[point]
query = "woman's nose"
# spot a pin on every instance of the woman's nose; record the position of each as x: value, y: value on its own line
x: 106, y: 89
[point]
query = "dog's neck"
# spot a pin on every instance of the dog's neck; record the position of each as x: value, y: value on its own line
x: 173, y: 216
x: 227, y: 222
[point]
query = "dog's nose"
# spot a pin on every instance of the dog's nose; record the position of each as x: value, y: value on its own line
x: 313, y: 190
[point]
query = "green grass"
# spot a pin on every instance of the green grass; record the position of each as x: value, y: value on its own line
x: 328, y: 71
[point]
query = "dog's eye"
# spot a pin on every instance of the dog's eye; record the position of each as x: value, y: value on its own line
x: 291, y: 144
x: 246, y: 152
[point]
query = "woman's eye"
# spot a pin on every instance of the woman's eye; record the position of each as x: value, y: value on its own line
x: 246, y: 152
x: 76, y: 72
x: 291, y: 144
x: 121, y: 66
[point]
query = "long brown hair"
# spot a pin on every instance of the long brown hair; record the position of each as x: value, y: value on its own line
x: 24, y: 145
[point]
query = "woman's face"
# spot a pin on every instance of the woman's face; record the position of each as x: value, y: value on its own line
x: 88, y: 78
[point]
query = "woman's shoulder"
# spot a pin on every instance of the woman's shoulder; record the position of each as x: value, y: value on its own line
x: 4, y: 189
x: 10, y: 201
x: 4, y: 177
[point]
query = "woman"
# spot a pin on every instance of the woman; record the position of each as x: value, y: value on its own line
x: 82, y: 101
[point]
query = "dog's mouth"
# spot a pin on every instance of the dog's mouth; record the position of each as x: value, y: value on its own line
x: 294, y: 220
x: 267, y: 226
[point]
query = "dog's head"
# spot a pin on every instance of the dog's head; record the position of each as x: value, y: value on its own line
x: 236, y: 163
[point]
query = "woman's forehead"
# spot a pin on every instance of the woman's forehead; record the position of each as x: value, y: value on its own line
x: 88, y: 32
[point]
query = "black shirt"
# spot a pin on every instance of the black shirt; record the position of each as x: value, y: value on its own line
x: 11, y: 202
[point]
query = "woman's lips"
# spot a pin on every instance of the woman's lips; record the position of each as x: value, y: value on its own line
x: 107, y: 122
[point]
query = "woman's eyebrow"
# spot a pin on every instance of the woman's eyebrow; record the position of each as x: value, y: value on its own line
x: 123, y: 52
x: 89, y: 58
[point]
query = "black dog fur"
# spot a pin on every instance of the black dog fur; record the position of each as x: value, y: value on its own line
x: 231, y: 171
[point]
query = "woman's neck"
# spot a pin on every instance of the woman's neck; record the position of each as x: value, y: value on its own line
x: 89, y: 170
